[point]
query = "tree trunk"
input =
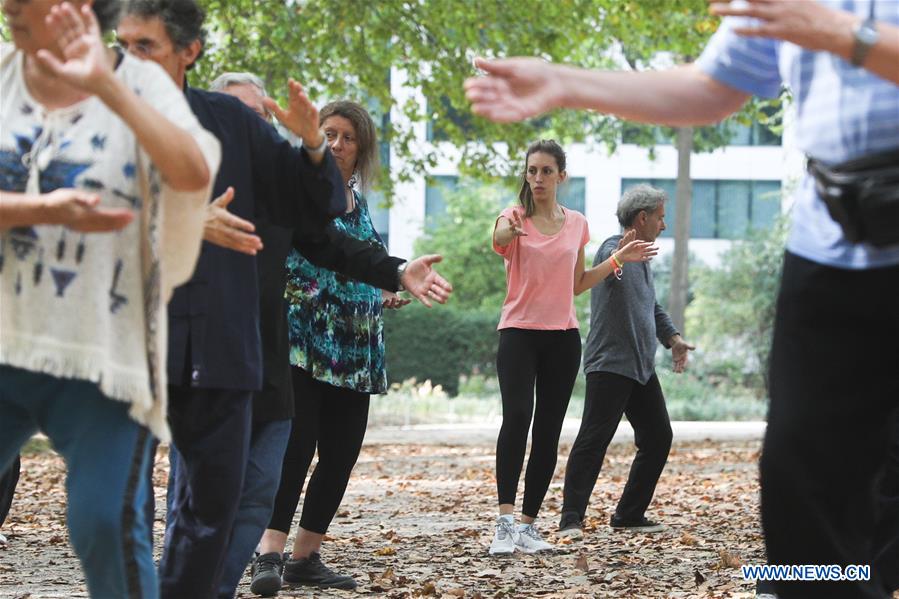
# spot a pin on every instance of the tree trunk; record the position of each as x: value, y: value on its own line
x: 677, y: 298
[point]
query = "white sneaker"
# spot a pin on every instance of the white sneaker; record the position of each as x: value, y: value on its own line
x: 528, y: 540
x: 2, y: 540
x: 504, y: 538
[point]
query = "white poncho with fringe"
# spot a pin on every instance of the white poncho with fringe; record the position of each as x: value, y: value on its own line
x: 92, y: 307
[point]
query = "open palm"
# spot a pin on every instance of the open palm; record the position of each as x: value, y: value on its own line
x: 85, y: 61
x: 513, y: 89
x: 301, y: 116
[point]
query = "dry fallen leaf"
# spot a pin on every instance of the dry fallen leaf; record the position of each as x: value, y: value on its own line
x: 427, y: 510
x: 729, y: 560
x: 581, y: 563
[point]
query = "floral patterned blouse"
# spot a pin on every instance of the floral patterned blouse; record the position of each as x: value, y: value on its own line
x: 335, y: 328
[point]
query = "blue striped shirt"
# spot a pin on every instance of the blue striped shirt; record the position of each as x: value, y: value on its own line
x: 843, y: 112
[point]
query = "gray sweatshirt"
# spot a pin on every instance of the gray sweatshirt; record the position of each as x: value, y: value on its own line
x: 625, y: 321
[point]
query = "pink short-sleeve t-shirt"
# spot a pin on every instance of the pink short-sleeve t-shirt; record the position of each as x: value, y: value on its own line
x: 540, y: 274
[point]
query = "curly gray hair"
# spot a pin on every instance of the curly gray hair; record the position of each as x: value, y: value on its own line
x: 637, y: 199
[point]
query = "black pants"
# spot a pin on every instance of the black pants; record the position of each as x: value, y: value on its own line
x: 887, y: 540
x: 834, y: 390
x: 525, y: 360
x: 211, y: 430
x: 333, y: 420
x: 8, y: 482
x: 608, y: 397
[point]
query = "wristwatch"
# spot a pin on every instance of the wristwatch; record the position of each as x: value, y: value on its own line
x: 321, y: 147
x: 400, y: 270
x: 866, y: 36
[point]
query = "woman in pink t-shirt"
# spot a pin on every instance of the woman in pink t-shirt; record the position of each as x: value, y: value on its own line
x: 542, y: 244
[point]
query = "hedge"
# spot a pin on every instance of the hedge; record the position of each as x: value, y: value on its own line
x: 439, y: 344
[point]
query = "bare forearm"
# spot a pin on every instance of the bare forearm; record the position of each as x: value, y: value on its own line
x: 592, y: 277
x: 173, y: 150
x: 677, y: 97
x: 503, y: 236
x: 883, y: 56
x: 19, y: 210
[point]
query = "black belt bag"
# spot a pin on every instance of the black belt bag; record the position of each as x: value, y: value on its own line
x: 862, y: 195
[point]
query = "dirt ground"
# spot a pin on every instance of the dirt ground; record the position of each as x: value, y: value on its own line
x: 417, y: 520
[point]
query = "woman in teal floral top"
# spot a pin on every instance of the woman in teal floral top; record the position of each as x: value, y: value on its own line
x: 337, y: 356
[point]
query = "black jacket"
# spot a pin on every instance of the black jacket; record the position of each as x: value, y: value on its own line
x: 214, y: 339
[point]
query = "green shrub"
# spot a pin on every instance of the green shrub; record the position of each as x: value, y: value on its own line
x: 733, y: 309
x: 696, y: 396
x: 440, y: 344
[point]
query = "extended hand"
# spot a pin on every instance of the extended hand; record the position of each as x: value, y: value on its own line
x: 78, y: 211
x: 637, y: 251
x: 86, y: 64
x: 516, y: 226
x: 392, y: 301
x: 301, y: 116
x: 804, y: 22
x: 424, y: 282
x: 679, y: 352
x: 628, y: 237
x: 228, y: 231
x: 513, y: 89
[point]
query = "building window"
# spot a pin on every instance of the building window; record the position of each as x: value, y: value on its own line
x: 437, y: 129
x: 380, y: 215
x: 573, y: 194
x: 462, y: 120
x: 437, y: 188
x: 754, y: 134
x: 721, y: 209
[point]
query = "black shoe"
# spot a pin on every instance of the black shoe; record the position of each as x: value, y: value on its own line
x: 571, y: 526
x: 267, y: 569
x: 310, y: 571
x: 641, y: 525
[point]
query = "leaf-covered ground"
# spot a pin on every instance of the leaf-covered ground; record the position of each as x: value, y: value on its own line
x: 417, y: 520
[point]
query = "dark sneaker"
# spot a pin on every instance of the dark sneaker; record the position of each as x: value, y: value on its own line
x: 641, y: 525
x: 310, y: 571
x: 267, y: 570
x: 571, y: 526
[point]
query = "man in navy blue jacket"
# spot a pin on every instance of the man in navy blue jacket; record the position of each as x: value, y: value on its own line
x: 215, y: 360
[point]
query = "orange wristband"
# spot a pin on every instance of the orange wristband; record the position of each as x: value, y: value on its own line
x: 616, y: 267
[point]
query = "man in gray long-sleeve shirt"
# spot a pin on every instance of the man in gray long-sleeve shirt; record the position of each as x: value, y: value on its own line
x: 619, y: 357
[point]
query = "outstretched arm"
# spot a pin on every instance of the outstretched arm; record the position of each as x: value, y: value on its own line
x: 505, y: 230
x: 816, y: 27
x: 519, y: 88
x: 629, y: 250
x: 370, y: 263
x: 86, y: 65
x: 73, y: 208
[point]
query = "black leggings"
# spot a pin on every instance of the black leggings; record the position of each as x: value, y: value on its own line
x: 550, y: 361
x: 332, y: 419
x: 8, y: 481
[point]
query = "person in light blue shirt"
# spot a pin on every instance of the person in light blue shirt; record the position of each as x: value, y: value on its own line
x: 834, y: 376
